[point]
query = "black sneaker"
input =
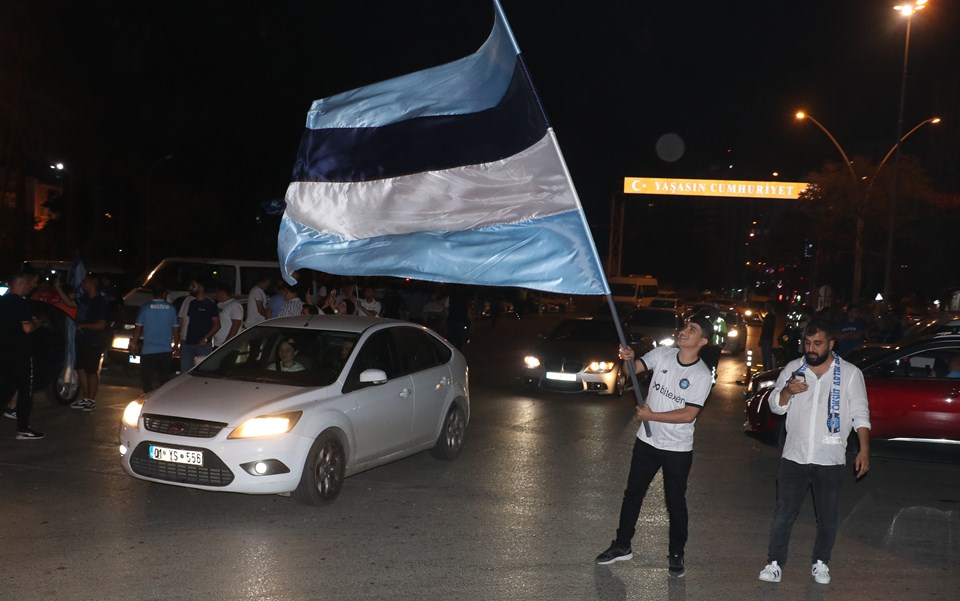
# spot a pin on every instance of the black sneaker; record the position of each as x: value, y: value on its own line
x: 10, y: 413
x: 614, y: 553
x: 30, y: 434
x: 676, y: 566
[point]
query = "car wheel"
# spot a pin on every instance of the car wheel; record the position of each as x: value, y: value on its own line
x: 621, y: 383
x: 454, y: 430
x: 64, y: 390
x: 323, y: 471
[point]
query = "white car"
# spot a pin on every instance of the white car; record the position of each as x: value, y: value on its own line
x: 296, y: 404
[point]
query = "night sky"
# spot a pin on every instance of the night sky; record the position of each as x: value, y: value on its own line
x: 113, y: 87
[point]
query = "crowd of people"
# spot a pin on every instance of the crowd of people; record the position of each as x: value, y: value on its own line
x: 166, y: 337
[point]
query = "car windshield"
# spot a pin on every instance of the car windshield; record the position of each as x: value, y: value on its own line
x: 586, y: 330
x: 623, y: 289
x: 292, y: 356
x: 653, y: 319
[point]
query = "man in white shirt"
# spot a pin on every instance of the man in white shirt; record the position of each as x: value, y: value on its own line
x: 231, y: 315
x: 679, y: 385
x: 257, y: 303
x: 368, y: 305
x: 824, y: 398
x: 292, y: 304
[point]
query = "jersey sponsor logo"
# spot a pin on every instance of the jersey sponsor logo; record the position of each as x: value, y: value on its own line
x: 669, y: 393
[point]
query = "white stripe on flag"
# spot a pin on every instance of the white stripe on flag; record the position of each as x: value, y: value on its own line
x: 528, y: 185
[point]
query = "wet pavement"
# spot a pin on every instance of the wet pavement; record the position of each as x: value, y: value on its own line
x: 519, y: 515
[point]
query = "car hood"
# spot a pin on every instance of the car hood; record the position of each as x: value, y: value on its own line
x: 230, y: 401
x: 577, y: 350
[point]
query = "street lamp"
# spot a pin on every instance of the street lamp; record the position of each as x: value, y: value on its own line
x: 931, y: 120
x: 858, y: 246
x: 907, y: 11
x: 147, y: 225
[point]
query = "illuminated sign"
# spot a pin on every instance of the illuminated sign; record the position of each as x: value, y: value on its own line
x: 712, y: 187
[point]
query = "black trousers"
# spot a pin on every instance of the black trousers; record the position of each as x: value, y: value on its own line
x: 647, y: 461
x: 793, y: 482
x: 155, y: 370
x: 19, y: 376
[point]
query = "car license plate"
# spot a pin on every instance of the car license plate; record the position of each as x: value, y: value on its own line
x: 556, y: 375
x: 176, y: 455
x: 133, y: 359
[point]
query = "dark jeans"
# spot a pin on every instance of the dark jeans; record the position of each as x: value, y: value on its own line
x: 766, y: 353
x: 647, y: 461
x: 155, y: 370
x: 793, y: 482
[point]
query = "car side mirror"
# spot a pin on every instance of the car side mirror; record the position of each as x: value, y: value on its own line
x: 373, y: 376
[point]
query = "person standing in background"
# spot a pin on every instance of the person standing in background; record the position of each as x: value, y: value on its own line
x: 231, y: 315
x: 17, y: 324
x: 768, y: 329
x: 91, y: 330
x: 257, y: 310
x: 202, y: 322
x: 158, y: 322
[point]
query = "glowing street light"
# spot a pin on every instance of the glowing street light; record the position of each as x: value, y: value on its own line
x: 858, y: 246
x: 907, y: 11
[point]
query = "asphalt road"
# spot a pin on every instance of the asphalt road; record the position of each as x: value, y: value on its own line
x: 521, y: 514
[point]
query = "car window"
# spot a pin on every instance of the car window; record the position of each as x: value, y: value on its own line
x: 175, y: 275
x: 292, y: 356
x: 251, y: 275
x: 932, y: 363
x: 378, y: 352
x: 419, y: 350
x: 586, y: 330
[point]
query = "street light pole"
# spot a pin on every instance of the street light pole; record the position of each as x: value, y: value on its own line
x: 907, y: 11
x: 147, y: 225
x: 858, y: 245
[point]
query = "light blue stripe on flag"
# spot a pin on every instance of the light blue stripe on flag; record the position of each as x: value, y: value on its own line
x: 544, y: 254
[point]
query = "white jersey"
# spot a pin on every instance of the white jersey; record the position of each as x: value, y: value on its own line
x: 673, y: 385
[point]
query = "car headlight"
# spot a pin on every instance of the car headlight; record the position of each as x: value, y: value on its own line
x: 747, y: 313
x: 601, y: 367
x: 121, y: 342
x: 131, y: 414
x: 733, y: 334
x: 267, y: 425
x: 531, y: 362
x: 666, y: 342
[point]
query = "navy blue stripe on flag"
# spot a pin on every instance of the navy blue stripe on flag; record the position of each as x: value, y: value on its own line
x: 423, y: 143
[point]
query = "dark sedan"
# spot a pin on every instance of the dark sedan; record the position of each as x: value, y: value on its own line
x: 579, y: 355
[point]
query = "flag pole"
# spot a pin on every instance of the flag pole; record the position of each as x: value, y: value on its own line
x: 631, y: 367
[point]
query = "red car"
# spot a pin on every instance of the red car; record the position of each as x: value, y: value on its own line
x: 913, y: 389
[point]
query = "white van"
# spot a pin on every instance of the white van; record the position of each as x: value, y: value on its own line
x: 174, y: 274
x: 637, y: 290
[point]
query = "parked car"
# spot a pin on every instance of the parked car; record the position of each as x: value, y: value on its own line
x: 911, y: 391
x: 295, y: 405
x: 580, y: 355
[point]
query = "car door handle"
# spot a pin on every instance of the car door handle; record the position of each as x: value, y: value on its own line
x: 444, y: 381
x: 404, y: 393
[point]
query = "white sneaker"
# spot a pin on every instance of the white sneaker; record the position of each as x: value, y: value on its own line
x: 772, y: 572
x: 820, y: 572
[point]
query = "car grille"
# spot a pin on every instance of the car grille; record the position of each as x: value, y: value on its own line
x: 180, y: 426
x: 573, y: 367
x: 213, y: 473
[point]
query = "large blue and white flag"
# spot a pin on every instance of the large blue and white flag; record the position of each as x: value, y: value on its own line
x: 451, y: 174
